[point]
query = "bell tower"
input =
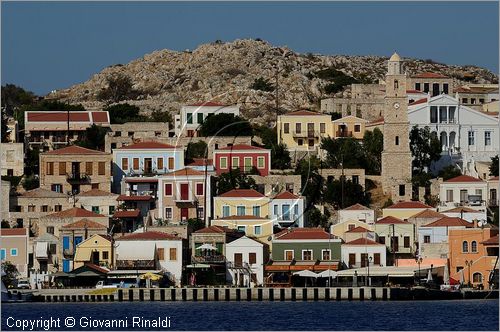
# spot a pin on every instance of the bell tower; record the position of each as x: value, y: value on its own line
x: 396, y: 156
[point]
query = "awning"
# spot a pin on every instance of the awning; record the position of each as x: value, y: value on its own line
x: 41, y: 250
x: 130, y: 273
x: 198, y: 266
x: 135, y: 250
x: 127, y: 214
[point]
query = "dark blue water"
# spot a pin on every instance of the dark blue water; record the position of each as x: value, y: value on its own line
x: 422, y: 315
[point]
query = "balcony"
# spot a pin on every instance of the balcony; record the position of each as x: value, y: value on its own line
x: 343, y: 133
x: 209, y: 259
x: 306, y: 134
x: 77, y: 177
x: 135, y: 264
x: 239, y: 265
x: 178, y: 199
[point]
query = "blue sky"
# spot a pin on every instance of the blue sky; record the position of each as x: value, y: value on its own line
x: 54, y: 45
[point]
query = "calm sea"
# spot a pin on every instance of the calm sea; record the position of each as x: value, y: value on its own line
x: 422, y: 315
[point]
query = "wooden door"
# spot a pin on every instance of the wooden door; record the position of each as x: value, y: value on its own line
x: 352, y: 259
x: 184, y: 191
x: 238, y: 259
x: 184, y: 213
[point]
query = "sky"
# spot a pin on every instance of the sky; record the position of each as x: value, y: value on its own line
x: 53, y: 45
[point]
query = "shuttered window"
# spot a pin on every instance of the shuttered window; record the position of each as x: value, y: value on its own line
x: 252, y: 258
x: 62, y: 168
x: 173, y: 254
x: 168, y: 189
x: 135, y: 163
x: 376, y: 259
x: 50, y: 168
x: 170, y: 163
x: 161, y: 254
x: 102, y: 168
x: 125, y: 164
x: 88, y: 167
x: 160, y: 163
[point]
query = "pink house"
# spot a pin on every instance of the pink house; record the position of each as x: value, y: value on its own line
x: 244, y: 157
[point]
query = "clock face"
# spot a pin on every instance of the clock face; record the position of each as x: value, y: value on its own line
x: 396, y: 105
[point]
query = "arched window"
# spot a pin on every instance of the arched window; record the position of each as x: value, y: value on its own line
x: 477, y: 277
x: 465, y: 246
x: 397, y: 140
x: 473, y: 246
x: 396, y: 84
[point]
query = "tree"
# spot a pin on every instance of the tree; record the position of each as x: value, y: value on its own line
x: 10, y: 274
x: 494, y: 166
x: 267, y: 135
x: 160, y: 116
x: 122, y: 113
x: 345, y: 194
x: 94, y: 138
x: 14, y: 97
x: 373, y: 145
x: 225, y: 124
x: 196, y: 150
x: 196, y: 224
x: 119, y: 88
x: 31, y: 182
x: 5, y: 224
x: 316, y: 219
x: 234, y: 179
x: 312, y: 181
x: 337, y: 78
x: 4, y: 129
x: 280, y: 157
x: 449, y: 172
x: 262, y: 84
x: 343, y: 151
x: 425, y: 148
x: 32, y: 161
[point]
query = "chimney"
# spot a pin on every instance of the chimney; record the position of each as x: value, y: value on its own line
x: 475, y: 223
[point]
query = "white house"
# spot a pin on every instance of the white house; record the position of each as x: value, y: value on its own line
x: 245, y: 260
x: 463, y: 190
x: 357, y: 212
x: 466, y: 214
x: 151, y: 251
x: 360, y: 252
x: 466, y: 135
x: 189, y: 119
x: 287, y: 210
x: 433, y: 238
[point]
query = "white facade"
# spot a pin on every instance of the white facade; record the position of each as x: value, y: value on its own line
x: 241, y: 274
x: 466, y: 135
x: 472, y: 194
x: 364, y: 215
x: 287, y: 212
x: 192, y: 116
x: 358, y: 250
x: 433, y: 241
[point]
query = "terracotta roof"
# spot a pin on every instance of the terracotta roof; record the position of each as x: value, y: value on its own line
x: 216, y: 229
x: 359, y: 229
x: 75, y: 213
x: 186, y: 172
x: 96, y: 267
x: 356, y: 207
x: 241, y: 218
x: 207, y: 103
x: 410, y: 205
x: 13, y: 231
x: 363, y: 242
x: 303, y: 234
x: 39, y: 192
x: 286, y: 195
x: 200, y: 162
x: 419, y: 101
x: 101, y: 117
x: 492, y: 241
x: 464, y: 178
x: 74, y: 149
x: 495, y: 178
x: 57, y: 116
x: 303, y: 112
x: 449, y: 221
x: 84, y: 223
x: 460, y: 209
x: 429, y: 75
x: 95, y: 192
x: 127, y: 214
x: 390, y: 220
x: 134, y: 198
x: 428, y: 214
x: 415, y: 91
x: 377, y: 121
x: 149, y: 235
x: 241, y: 147
x: 475, y: 89
x: 242, y: 193
x: 140, y: 179
x: 147, y: 145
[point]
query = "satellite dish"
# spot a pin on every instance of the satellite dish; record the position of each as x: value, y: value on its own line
x: 480, y: 224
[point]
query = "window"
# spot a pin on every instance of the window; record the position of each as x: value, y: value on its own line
x: 111, y: 210
x: 325, y: 254
x: 300, y: 141
x: 50, y: 168
x: 252, y: 258
x: 199, y: 118
x: 473, y: 246
x: 406, y: 242
x: 95, y: 209
x: 481, y: 100
x: 376, y: 258
x: 200, y: 213
x: 62, y: 168
x: 443, y: 114
x: 322, y: 128
x: 465, y: 100
x: 397, y: 140
x: 417, y: 86
x: 3, y: 254
x: 171, y: 163
x: 199, y: 189
x: 159, y: 163
x: 58, y: 208
x: 357, y: 128
x: 426, y: 87
x: 298, y: 128
x: 288, y: 255
x: 168, y: 213
x: 256, y: 211
x: 402, y: 190
x: 306, y: 255
x: 88, y: 167
x: 351, y: 227
x: 161, y: 253
x: 427, y: 239
x: 471, y: 138
x: 135, y: 163
x: 260, y: 162
x: 235, y: 162
x: 286, y: 128
x: 396, y: 84
x: 352, y: 259
x: 445, y: 88
x: 189, y: 117
x: 125, y: 164
x: 449, y: 195
x: 487, y: 138
x: 240, y: 210
x: 473, y: 101
x: 225, y: 211
x: 50, y: 230
x: 465, y: 246
x: 296, y: 210
x: 173, y: 254
x: 31, y: 208
x: 105, y: 255
x: 248, y: 164
x: 101, y: 168
x: 13, y: 252
x: 285, y: 211
x: 257, y: 230
x: 223, y: 162
x: 355, y: 179
x: 44, y: 208
x: 381, y: 239
x: 434, y: 114
x: 241, y: 229
x: 168, y: 189
x: 477, y: 277
x: 52, y: 248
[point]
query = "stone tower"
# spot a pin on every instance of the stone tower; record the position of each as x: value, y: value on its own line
x: 396, y: 156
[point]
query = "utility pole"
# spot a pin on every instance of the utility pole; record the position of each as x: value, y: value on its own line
x: 393, y: 246
x: 205, y: 215
x: 277, y: 95
x: 67, y: 128
x: 342, y: 182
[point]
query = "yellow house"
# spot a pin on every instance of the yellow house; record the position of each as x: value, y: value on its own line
x: 405, y: 210
x: 259, y: 228
x: 241, y: 202
x: 96, y: 250
x: 340, y: 229
x: 349, y: 126
x: 303, y: 130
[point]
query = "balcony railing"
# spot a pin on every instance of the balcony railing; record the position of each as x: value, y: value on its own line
x: 238, y: 265
x: 343, y: 133
x: 135, y: 264
x: 306, y: 133
x: 209, y: 259
x: 77, y: 177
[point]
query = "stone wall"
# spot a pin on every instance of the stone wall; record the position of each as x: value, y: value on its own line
x: 12, y: 157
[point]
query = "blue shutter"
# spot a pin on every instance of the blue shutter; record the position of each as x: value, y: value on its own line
x: 3, y: 254
x: 65, y: 242
x: 65, y: 265
x: 78, y: 239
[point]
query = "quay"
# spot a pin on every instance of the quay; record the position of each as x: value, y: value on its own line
x: 256, y: 294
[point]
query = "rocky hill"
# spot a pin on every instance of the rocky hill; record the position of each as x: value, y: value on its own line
x: 225, y: 72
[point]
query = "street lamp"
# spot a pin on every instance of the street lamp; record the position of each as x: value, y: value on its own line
x: 369, y: 259
x: 418, y: 259
x: 469, y: 264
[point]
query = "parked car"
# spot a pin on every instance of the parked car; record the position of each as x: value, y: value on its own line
x: 23, y: 284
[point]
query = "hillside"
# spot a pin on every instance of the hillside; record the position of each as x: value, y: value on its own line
x: 225, y: 72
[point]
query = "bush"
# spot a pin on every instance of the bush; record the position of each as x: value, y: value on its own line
x: 262, y: 84
x: 119, y: 88
x: 31, y: 182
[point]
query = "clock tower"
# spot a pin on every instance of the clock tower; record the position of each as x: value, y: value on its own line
x: 396, y: 156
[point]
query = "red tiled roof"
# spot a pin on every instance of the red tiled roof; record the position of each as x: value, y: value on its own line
x: 84, y: 223
x: 410, y: 205
x: 492, y: 241
x: 460, y: 209
x: 200, y: 162
x: 286, y: 195
x: 134, y: 198
x: 242, y: 193
x: 74, y: 149
x: 101, y: 117
x: 359, y: 229
x: 428, y: 214
x: 415, y: 91
x: 149, y: 235
x: 140, y: 179
x: 390, y: 220
x: 207, y: 103
x: 429, y: 75
x: 377, y: 121
x: 363, y: 241
x: 127, y: 214
x: 147, y: 145
x: 303, y: 234
x: 419, y: 101
x: 464, y: 178
x: 40, y: 192
x: 57, y: 116
x: 95, y: 192
x: 75, y: 213
x: 356, y: 207
x: 304, y: 112
x: 216, y: 229
x: 241, y: 147
x: 96, y: 267
x: 241, y: 218
x: 13, y: 231
x: 449, y: 221
x: 185, y: 172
